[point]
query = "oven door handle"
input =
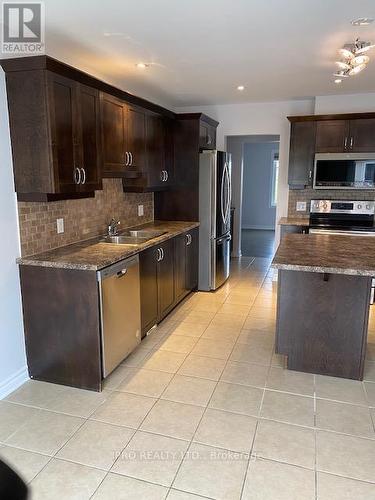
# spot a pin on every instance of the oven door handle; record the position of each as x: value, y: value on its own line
x: 342, y: 233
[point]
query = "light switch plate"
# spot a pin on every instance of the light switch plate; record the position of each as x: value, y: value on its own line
x: 60, y: 226
x: 140, y: 210
x: 301, y: 206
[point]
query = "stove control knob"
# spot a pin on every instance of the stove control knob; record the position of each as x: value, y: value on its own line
x: 325, y: 206
x: 368, y: 207
x: 359, y: 206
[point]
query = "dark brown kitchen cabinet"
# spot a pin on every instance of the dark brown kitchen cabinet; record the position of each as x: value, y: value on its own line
x: 301, y: 154
x: 165, y: 278
x: 180, y: 267
x: 158, y: 175
x: 207, y: 135
x: 192, y: 256
x: 362, y: 135
x: 124, y: 137
x: 332, y: 136
x: 148, y: 269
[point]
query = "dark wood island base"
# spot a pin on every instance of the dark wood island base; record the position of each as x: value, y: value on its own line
x: 322, y: 322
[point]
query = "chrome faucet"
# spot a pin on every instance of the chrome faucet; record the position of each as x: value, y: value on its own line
x: 113, y: 227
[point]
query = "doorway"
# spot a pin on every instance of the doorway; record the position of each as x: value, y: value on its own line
x: 255, y: 171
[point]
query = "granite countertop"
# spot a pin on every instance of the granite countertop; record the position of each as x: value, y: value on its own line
x: 93, y: 255
x: 294, y: 221
x: 326, y: 253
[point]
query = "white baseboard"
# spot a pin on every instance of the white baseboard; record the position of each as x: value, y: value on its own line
x: 13, y: 382
x: 266, y: 228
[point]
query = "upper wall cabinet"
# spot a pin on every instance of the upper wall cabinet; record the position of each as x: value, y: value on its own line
x: 207, y: 135
x: 351, y: 133
x: 123, y: 136
x: 352, y: 136
x: 55, y: 135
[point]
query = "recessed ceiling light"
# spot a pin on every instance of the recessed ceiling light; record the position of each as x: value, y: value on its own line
x: 241, y: 87
x: 362, y: 21
x: 142, y: 65
x: 338, y: 80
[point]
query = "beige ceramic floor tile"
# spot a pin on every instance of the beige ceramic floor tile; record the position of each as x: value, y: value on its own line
x: 96, y: 444
x: 369, y: 371
x: 340, y: 488
x: 245, y: 374
x: 12, y: 417
x: 340, y: 389
x: 212, y: 472
x: 56, y: 481
x: 137, y: 358
x: 178, y: 343
x: 182, y: 495
x: 344, y: 417
x: 285, y: 443
x: 200, y: 366
x: 78, y: 402
x: 145, y: 382
x: 188, y: 330
x: 349, y: 456
x: 45, y: 432
x: 370, y: 392
x: 284, y: 380
x: 120, y: 374
x: 221, y: 332
x: 237, y: 398
x: 268, y: 480
x: 237, y: 309
x: 26, y: 463
x: 288, y: 408
x: 190, y: 390
x: 252, y: 353
x: 124, y: 409
x: 173, y: 419
x: 152, y: 458
x: 164, y: 361
x: 226, y: 430
x: 213, y: 348
x: 116, y: 487
x: 36, y: 393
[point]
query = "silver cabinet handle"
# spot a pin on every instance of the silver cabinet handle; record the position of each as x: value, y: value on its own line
x: 77, y: 179
x: 162, y: 254
x: 166, y: 175
x: 351, y: 142
x: 188, y: 239
x: 209, y: 140
x: 126, y: 158
x: 345, y: 142
x: 162, y: 175
x: 158, y: 258
x: 131, y: 158
x: 83, y: 181
x: 310, y: 175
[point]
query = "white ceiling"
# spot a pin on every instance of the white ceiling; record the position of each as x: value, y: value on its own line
x: 201, y: 50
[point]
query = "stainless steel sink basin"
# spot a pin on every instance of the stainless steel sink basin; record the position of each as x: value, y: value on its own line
x: 123, y: 240
x: 146, y: 233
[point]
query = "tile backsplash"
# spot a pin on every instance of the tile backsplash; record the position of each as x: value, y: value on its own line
x: 315, y: 194
x: 83, y: 219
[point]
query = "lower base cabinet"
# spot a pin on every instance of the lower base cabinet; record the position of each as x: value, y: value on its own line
x: 168, y: 272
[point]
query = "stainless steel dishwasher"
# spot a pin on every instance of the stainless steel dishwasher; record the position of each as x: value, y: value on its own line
x: 120, y: 311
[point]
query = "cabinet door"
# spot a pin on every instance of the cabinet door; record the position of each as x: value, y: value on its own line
x: 207, y: 136
x: 155, y: 148
x: 180, y: 267
x: 90, y: 139
x: 62, y: 105
x: 362, y: 135
x: 192, y: 250
x: 332, y: 136
x: 136, y: 137
x: 149, y: 288
x: 301, y: 154
x: 166, y: 278
x: 113, y: 117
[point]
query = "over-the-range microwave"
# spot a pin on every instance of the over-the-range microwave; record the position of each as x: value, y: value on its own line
x: 344, y: 171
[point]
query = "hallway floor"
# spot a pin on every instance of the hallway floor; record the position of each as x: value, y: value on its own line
x: 257, y: 242
x: 204, y: 408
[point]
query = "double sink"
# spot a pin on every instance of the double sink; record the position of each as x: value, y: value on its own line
x: 133, y: 237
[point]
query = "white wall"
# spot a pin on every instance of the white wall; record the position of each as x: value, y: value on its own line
x: 258, y: 119
x: 257, y: 211
x: 13, y: 370
x: 353, y: 103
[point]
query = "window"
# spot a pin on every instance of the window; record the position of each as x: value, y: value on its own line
x: 275, y: 178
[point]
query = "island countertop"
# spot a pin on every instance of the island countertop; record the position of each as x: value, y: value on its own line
x: 326, y: 253
x: 294, y: 221
x: 93, y: 254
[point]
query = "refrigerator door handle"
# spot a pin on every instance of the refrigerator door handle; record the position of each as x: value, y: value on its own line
x: 227, y: 210
x: 223, y: 215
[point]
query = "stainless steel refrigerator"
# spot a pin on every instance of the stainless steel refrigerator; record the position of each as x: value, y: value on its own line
x: 214, y: 218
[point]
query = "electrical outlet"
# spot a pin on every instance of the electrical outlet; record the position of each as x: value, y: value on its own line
x: 60, y: 226
x: 140, y: 210
x: 301, y: 206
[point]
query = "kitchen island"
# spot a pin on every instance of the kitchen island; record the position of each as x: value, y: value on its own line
x: 323, y: 302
